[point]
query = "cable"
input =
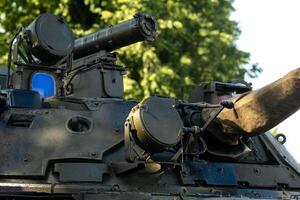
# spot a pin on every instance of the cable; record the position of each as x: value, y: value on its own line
x: 9, y: 56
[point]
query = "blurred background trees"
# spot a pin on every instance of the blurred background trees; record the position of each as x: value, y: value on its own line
x: 196, y: 41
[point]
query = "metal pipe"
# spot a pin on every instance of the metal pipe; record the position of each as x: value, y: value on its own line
x: 141, y: 27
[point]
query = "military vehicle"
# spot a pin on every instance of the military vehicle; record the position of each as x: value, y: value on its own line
x: 87, y: 142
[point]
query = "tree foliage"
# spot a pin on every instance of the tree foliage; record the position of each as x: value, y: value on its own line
x: 196, y: 41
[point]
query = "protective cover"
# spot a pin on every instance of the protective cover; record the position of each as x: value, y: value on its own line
x: 50, y: 38
x: 258, y: 111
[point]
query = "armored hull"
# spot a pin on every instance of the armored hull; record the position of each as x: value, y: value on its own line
x: 88, y: 142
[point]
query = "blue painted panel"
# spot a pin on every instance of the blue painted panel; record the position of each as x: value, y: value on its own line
x: 214, y: 173
x: 22, y: 98
x: 44, y: 84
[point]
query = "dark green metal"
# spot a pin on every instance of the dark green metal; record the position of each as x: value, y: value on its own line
x: 88, y: 142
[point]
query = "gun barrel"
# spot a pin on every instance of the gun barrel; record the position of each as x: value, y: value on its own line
x: 259, y: 111
x: 141, y: 27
